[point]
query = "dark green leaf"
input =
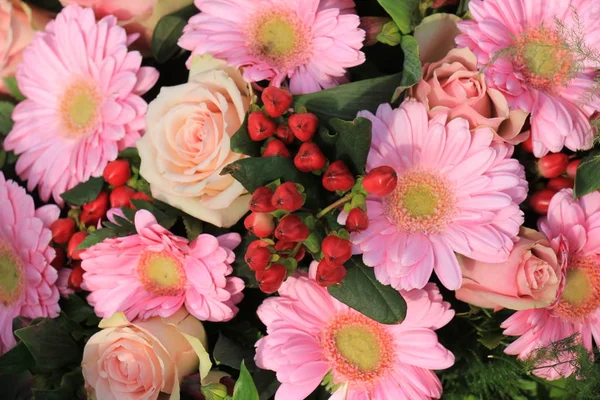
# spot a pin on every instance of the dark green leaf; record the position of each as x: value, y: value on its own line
x: 2, y: 158
x: 6, y: 122
x: 411, y: 73
x: 131, y: 154
x: 70, y: 385
x: 193, y: 227
x: 16, y: 360
x: 77, y: 309
x: 96, y: 237
x: 241, y: 142
x: 84, y: 192
x: 50, y: 5
x: 244, y: 388
x: 230, y: 353
x: 167, y: 221
x: 587, y: 179
x: 390, y: 34
x: 361, y: 291
x: 168, y: 31
x: 13, y: 88
x: 354, y: 142
x: 345, y: 101
x: 405, y: 13
x: 491, y: 340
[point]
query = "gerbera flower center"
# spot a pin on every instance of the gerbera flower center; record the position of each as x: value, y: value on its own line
x: 359, y: 350
x: 161, y: 273
x: 79, y: 108
x: 581, y: 295
x: 422, y: 202
x: 280, y: 38
x: 12, y: 277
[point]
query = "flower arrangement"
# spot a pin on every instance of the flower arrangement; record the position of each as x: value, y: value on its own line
x: 299, y: 199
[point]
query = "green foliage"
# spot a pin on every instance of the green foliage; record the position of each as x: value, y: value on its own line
x: 405, y: 13
x: 244, y: 388
x: 84, y: 192
x: 241, y: 142
x: 390, y: 34
x: 412, y: 63
x: 168, y: 31
x: 353, y: 142
x: 13, y: 88
x: 6, y: 122
x: 587, y: 179
x: 193, y: 227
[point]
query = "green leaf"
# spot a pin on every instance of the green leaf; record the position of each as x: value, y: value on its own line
x: 405, y: 13
x: 70, y: 385
x: 2, y: 158
x: 168, y: 31
x: 193, y: 227
x: 345, y: 101
x: 167, y: 221
x: 411, y: 73
x: 77, y: 309
x: 361, y: 291
x: 587, y: 179
x: 390, y: 34
x: 13, y: 88
x: 16, y: 360
x: 6, y: 122
x: 354, y: 142
x: 491, y: 340
x: 241, y: 142
x: 96, y: 237
x: 50, y: 5
x: 84, y: 192
x: 244, y: 388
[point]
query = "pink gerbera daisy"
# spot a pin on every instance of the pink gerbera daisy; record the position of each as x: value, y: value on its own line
x: 83, y: 102
x: 458, y: 191
x: 577, y: 311
x: 27, y: 280
x: 312, y: 42
x: 526, y: 49
x: 155, y: 272
x: 311, y: 335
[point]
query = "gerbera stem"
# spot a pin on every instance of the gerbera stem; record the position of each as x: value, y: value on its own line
x: 335, y: 205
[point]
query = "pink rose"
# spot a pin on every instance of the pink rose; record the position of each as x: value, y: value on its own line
x: 453, y: 86
x: 144, y: 360
x: 530, y: 278
x: 18, y: 23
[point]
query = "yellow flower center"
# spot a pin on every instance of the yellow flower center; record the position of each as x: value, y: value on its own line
x: 161, y: 273
x: 581, y: 295
x: 79, y: 108
x: 359, y: 346
x: 12, y: 278
x: 277, y: 37
x: 577, y: 288
x: 420, y: 200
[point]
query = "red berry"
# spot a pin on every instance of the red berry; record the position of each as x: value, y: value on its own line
x: 93, y: 211
x: 357, y: 220
x: 309, y: 158
x: 258, y: 258
x: 260, y: 224
x: 303, y: 126
x: 260, y: 127
x: 117, y: 172
x: 338, y: 177
x: 540, y: 201
x: 270, y: 279
x: 275, y: 148
x: 62, y: 230
x: 336, y: 250
x: 291, y: 229
x: 553, y: 165
x: 572, y: 168
x: 282, y: 245
x: 60, y: 259
x: 76, y: 277
x: 527, y: 145
x: 261, y: 200
x: 258, y: 243
x: 277, y: 101
x: 559, y: 183
x: 121, y: 197
x: 381, y: 181
x: 284, y: 133
x: 141, y: 196
x: 75, y: 241
x: 328, y: 274
x: 287, y: 197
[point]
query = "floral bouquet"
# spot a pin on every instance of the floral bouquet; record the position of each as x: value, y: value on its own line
x: 299, y: 199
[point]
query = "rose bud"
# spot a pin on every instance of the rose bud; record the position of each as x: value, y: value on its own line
x: 75, y: 277
x: 336, y: 250
x: 277, y: 101
x: 559, y: 183
x: 260, y: 127
x: 270, y: 279
x: 60, y: 259
x: 530, y: 278
x: 261, y: 200
x: 75, y: 241
x: 258, y: 258
x: 381, y: 181
x: 540, y: 201
x: 357, y: 220
x: 62, y: 230
x: 287, y: 197
x: 93, y: 211
x: 553, y: 165
x: 338, y: 177
x: 309, y: 158
x: 291, y: 229
x: 328, y: 274
x: 141, y: 196
x: 282, y: 246
x: 284, y: 133
x: 260, y: 224
x: 121, y: 197
x: 117, y: 172
x: 572, y: 168
x: 303, y: 126
x: 276, y: 148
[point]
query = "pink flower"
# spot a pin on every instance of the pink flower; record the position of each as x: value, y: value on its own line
x: 526, y: 56
x: 62, y: 283
x: 27, y: 280
x: 310, y: 333
x: 312, y: 42
x: 530, y: 278
x: 457, y: 192
x: 575, y: 222
x: 155, y: 272
x: 83, y: 101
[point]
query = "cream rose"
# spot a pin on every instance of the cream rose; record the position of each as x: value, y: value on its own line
x: 187, y: 143
x: 140, y: 360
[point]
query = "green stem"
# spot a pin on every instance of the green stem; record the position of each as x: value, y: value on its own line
x: 296, y: 248
x: 335, y: 205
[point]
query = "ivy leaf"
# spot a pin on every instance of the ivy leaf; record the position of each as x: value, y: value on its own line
x: 13, y: 88
x: 587, y: 179
x: 390, y: 34
x: 411, y: 73
x: 491, y: 340
x: 168, y: 31
x: 70, y: 385
x: 354, y: 142
x: 244, y: 388
x: 6, y: 122
x: 241, y: 142
x: 404, y: 13
x: 361, y: 291
x: 16, y: 360
x: 84, y: 192
x: 193, y: 227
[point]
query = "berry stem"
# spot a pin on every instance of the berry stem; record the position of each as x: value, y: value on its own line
x: 335, y: 205
x: 296, y: 248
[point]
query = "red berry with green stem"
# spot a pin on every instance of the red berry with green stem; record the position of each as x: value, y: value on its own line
x: 258, y: 258
x: 260, y: 224
x: 540, y: 201
x: 261, y: 200
x: 338, y: 177
x: 553, y: 165
x: 270, y: 279
x: 276, y: 148
x: 76, y: 277
x: 336, y: 250
x: 95, y: 210
x: 260, y: 127
x: 277, y: 101
x: 291, y: 229
x: 572, y: 168
x: 559, y: 183
x: 117, y: 172
x: 309, y: 158
x: 527, y: 145
x: 380, y: 181
x: 328, y: 274
x: 75, y: 241
x: 284, y: 133
x: 357, y: 220
x: 287, y: 197
x: 62, y: 229
x: 303, y: 126
x: 284, y: 250
x: 121, y: 197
